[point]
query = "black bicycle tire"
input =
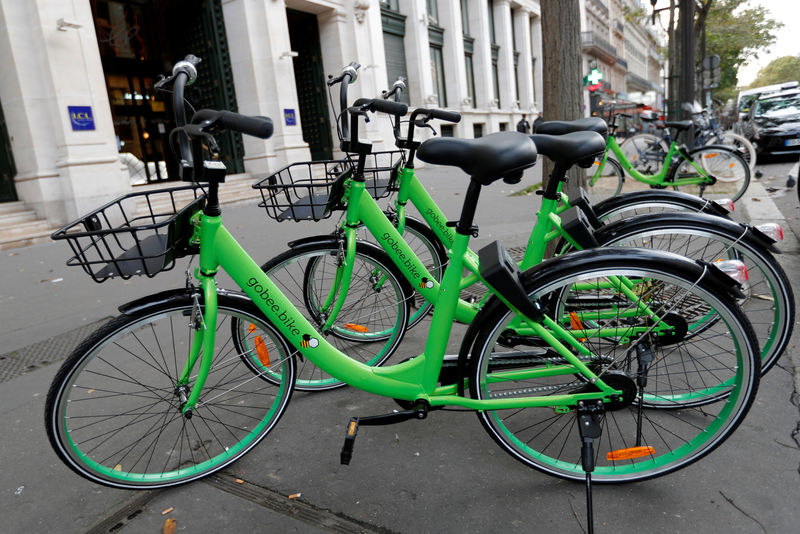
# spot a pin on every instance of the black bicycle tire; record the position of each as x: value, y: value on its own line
x: 494, y: 318
x: 160, y: 304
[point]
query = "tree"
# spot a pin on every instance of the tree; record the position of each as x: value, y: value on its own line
x: 736, y: 31
x: 562, y: 77
x: 783, y: 69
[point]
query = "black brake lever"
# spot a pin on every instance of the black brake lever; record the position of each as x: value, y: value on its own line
x: 162, y: 81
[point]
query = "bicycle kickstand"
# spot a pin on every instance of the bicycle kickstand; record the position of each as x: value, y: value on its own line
x: 590, y: 417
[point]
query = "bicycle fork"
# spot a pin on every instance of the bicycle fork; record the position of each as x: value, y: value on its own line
x: 204, y: 326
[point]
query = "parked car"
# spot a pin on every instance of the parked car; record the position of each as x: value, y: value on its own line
x: 773, y: 123
x: 747, y: 97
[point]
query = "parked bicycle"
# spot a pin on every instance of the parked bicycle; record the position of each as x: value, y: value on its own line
x: 314, y: 271
x: 646, y: 150
x: 163, y: 394
x: 711, y: 171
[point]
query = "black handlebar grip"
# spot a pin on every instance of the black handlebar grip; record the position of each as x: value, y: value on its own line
x: 384, y: 106
x: 449, y: 116
x: 255, y: 126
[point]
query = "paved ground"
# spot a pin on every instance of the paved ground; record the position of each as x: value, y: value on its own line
x: 443, y: 474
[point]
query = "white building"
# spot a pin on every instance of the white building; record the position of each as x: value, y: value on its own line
x: 80, y: 114
x: 624, y: 50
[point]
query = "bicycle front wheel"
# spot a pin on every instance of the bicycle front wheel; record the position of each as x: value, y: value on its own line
x: 729, y: 171
x: 113, y: 411
x: 373, y: 317
x: 655, y: 428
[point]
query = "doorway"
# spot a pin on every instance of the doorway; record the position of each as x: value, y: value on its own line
x: 8, y: 170
x: 309, y: 77
x: 140, y: 40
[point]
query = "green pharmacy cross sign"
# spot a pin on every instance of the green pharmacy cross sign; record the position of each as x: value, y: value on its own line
x: 593, y: 79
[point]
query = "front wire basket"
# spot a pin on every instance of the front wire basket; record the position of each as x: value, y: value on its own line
x: 312, y: 190
x: 381, y: 170
x: 136, y: 234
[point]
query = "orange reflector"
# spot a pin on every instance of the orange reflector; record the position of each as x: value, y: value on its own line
x: 630, y: 453
x: 261, y: 350
x: 731, y: 165
x: 356, y: 327
x: 595, y: 162
x: 712, y: 155
x: 251, y: 329
x: 351, y: 428
x: 576, y: 323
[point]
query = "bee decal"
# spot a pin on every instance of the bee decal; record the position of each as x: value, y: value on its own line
x: 425, y: 283
x: 309, y: 341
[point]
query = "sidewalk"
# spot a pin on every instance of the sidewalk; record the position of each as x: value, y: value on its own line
x: 443, y: 474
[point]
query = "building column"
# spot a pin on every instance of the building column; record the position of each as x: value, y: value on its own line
x: 536, y: 50
x: 482, y: 56
x: 522, y: 27
x: 505, y: 61
x: 62, y: 172
x: 263, y: 74
x: 455, y: 70
x: 418, y: 56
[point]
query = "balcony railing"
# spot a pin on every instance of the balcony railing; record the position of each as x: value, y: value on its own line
x: 593, y: 43
x: 599, y: 4
x: 636, y: 82
x: 622, y: 63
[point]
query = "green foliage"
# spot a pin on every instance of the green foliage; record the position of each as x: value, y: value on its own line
x: 783, y: 69
x: 737, y: 31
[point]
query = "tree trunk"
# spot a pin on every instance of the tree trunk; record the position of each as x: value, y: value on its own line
x: 562, y: 72
x: 674, y: 64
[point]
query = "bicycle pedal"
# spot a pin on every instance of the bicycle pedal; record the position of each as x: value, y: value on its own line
x: 349, y: 441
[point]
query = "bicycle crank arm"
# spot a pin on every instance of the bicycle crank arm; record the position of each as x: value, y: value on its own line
x: 420, y: 411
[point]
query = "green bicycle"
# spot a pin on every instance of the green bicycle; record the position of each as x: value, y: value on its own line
x: 712, y: 171
x: 769, y: 303
x: 161, y: 395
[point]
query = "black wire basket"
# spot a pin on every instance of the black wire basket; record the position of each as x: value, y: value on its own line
x: 312, y: 190
x: 383, y: 168
x: 136, y: 234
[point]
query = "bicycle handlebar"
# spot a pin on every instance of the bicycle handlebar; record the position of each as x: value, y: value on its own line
x: 398, y: 87
x: 183, y: 73
x: 250, y: 125
x: 449, y: 116
x: 349, y: 75
x: 384, y: 106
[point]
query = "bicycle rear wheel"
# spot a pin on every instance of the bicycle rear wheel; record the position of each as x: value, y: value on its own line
x: 655, y: 428
x: 645, y: 152
x: 730, y: 171
x: 653, y: 201
x: 769, y: 300
x: 373, y: 318
x: 113, y: 411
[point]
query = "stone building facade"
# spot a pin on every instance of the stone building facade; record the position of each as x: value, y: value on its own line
x: 81, y: 123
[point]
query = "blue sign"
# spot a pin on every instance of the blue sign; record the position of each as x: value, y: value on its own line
x: 289, y: 117
x: 81, y: 117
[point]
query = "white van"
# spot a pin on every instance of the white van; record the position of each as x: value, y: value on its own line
x: 748, y: 96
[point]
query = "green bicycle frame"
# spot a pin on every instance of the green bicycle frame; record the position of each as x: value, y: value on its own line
x: 658, y: 179
x: 410, y: 380
x: 363, y: 208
